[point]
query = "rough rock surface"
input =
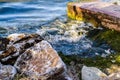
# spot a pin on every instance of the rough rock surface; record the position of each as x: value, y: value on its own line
x: 7, y: 72
x: 40, y: 62
x: 92, y: 73
x: 18, y: 43
x: 98, y: 13
x: 114, y: 76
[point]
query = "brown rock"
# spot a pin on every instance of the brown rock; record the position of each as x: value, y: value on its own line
x: 7, y: 72
x: 98, y: 13
x: 40, y: 62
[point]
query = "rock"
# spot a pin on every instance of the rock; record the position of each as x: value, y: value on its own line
x: 3, y: 43
x: 7, y: 72
x: 113, y: 69
x: 98, y: 13
x: 92, y: 73
x: 114, y: 76
x: 15, y: 37
x: 17, y: 45
x: 40, y: 62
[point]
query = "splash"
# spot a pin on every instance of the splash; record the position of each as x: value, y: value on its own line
x: 69, y: 37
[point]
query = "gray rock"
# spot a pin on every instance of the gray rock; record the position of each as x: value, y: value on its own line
x: 7, y: 72
x: 92, y: 73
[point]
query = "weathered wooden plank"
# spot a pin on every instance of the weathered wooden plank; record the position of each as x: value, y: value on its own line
x: 98, y: 13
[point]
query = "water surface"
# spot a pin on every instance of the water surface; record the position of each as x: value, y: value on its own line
x: 28, y: 15
x: 48, y: 18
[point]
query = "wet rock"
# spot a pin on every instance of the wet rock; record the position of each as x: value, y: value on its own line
x: 92, y: 73
x: 7, y: 72
x: 17, y: 45
x: 40, y: 62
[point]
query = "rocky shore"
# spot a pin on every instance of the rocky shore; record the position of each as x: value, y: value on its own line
x: 29, y: 56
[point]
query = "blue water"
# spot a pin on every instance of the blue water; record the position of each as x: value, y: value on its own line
x: 27, y: 16
x: 46, y: 17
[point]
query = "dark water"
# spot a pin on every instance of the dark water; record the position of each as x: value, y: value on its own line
x: 17, y: 16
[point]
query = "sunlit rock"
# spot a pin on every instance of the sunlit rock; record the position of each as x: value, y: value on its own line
x: 15, y: 37
x: 114, y: 76
x: 40, y: 62
x: 7, y: 72
x: 98, y: 13
x: 92, y: 73
x: 113, y: 69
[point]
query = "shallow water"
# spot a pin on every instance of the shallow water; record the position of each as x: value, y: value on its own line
x: 48, y: 18
x: 28, y: 15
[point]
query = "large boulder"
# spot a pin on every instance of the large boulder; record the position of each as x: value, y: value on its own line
x: 7, y: 72
x: 92, y: 73
x: 40, y: 62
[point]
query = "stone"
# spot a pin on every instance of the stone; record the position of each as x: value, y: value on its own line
x: 15, y: 37
x: 98, y: 13
x: 3, y: 43
x: 113, y: 69
x: 114, y: 76
x: 7, y: 72
x: 92, y: 73
x: 18, y: 43
x: 40, y: 61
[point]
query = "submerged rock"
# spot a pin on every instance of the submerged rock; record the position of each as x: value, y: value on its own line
x: 92, y: 73
x: 40, y: 62
x: 7, y: 72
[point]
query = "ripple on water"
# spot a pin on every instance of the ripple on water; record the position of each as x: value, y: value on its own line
x: 33, y: 13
